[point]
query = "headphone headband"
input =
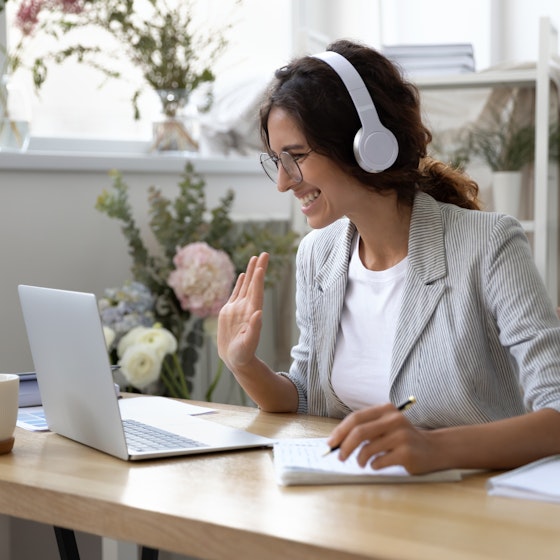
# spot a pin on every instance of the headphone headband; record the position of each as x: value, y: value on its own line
x: 375, y: 147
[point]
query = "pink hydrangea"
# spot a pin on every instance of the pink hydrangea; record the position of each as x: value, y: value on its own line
x: 202, y: 279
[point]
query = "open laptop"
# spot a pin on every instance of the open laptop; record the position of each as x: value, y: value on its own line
x: 78, y: 394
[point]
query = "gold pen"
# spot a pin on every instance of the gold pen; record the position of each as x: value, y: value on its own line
x: 404, y: 406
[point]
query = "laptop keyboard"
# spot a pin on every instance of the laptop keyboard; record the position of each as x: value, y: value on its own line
x: 142, y: 437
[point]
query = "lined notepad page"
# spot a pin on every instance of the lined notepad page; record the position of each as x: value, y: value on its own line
x: 309, y: 454
x: 303, y: 461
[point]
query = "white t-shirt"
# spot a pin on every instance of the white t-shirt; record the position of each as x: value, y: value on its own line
x: 362, y: 360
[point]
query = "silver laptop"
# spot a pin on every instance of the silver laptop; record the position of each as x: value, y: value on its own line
x: 78, y: 394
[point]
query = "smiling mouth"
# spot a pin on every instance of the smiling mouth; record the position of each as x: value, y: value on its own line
x: 309, y: 198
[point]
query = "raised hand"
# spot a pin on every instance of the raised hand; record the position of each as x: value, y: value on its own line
x: 240, y: 320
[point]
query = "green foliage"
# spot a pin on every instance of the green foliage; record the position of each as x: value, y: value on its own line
x: 453, y: 149
x: 554, y: 142
x: 175, y: 223
x: 504, y: 145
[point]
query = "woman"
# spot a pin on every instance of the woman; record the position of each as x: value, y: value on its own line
x: 404, y: 287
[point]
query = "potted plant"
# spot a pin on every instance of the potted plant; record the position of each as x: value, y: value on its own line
x: 506, y: 146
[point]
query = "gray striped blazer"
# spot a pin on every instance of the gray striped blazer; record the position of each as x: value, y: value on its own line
x: 477, y: 338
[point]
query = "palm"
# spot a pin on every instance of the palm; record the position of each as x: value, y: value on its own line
x: 239, y: 324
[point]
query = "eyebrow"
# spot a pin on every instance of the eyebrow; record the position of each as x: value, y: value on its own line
x: 293, y: 147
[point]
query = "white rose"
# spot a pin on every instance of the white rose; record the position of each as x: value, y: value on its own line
x: 141, y: 365
x: 160, y: 339
x: 109, y: 335
x: 129, y: 339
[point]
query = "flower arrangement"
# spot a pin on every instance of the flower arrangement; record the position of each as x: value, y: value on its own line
x: 180, y: 287
x: 30, y: 20
x: 33, y: 18
x: 172, y: 52
x: 159, y: 37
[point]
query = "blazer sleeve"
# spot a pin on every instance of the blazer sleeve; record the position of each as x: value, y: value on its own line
x: 298, y: 373
x: 525, y: 317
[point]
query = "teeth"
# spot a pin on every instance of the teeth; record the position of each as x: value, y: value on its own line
x: 309, y: 198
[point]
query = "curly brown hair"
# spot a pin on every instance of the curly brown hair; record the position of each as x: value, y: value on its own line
x: 316, y: 98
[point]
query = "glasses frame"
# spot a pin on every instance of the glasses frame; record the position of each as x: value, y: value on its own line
x: 277, y: 160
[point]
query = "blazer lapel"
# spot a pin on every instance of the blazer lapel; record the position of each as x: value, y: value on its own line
x: 329, y: 288
x: 423, y: 287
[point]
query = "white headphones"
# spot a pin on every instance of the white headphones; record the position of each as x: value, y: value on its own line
x: 375, y: 147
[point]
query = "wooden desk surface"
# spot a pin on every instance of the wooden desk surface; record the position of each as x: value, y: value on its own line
x: 228, y: 505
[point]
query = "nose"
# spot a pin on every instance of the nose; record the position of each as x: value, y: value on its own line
x: 284, y: 182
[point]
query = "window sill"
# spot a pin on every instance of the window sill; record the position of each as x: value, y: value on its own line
x: 102, y: 155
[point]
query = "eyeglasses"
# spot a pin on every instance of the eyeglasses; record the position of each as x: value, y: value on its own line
x: 289, y: 163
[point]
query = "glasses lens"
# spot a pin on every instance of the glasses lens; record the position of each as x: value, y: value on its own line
x: 291, y: 167
x: 270, y: 167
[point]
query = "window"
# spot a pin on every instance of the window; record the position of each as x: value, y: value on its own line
x: 263, y: 36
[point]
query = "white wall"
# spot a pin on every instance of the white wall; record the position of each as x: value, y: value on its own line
x: 439, y: 21
x: 520, y: 27
x: 53, y: 236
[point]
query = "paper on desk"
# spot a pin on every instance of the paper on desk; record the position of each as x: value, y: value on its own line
x: 539, y: 480
x: 302, y: 461
x: 32, y: 418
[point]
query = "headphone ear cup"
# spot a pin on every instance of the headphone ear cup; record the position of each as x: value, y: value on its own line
x: 375, y: 151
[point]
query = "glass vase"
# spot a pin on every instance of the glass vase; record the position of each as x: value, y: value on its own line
x: 176, y: 130
x: 14, y: 117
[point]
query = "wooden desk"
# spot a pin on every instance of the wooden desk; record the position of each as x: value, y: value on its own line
x: 228, y: 505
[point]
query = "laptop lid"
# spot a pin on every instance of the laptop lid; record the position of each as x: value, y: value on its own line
x: 76, y: 383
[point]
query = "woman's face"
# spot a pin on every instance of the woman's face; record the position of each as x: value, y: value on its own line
x: 326, y: 193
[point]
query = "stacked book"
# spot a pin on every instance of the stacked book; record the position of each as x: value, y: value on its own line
x: 28, y: 390
x: 432, y: 60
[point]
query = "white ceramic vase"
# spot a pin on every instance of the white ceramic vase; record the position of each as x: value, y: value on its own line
x: 506, y: 192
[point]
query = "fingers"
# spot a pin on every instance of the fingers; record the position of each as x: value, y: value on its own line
x: 237, y: 287
x: 380, y: 427
x: 252, y: 278
x: 240, y: 319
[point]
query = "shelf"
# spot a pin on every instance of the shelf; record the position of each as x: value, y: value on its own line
x: 489, y: 79
x: 540, y: 76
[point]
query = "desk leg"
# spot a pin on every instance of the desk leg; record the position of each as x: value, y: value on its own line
x: 67, y: 547
x: 118, y: 550
x: 149, y: 553
x: 5, y: 537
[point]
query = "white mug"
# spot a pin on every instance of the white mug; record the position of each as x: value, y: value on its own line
x: 9, y: 403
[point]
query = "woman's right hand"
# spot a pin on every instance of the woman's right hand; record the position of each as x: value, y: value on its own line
x: 240, y: 319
